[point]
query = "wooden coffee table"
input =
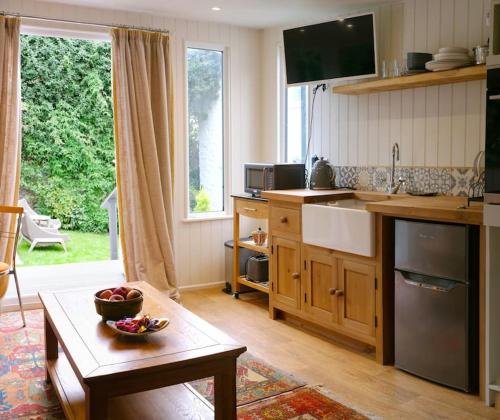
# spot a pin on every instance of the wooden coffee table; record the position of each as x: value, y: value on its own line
x: 97, y: 364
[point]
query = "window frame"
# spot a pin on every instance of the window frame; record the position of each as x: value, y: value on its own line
x: 305, y: 121
x: 283, y: 107
x: 226, y: 213
x: 69, y: 30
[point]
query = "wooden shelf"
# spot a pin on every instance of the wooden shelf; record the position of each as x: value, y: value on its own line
x: 167, y: 403
x: 243, y: 280
x: 251, y: 245
x: 254, y: 209
x: 463, y: 74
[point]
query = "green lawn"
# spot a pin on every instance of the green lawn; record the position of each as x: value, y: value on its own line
x: 82, y: 247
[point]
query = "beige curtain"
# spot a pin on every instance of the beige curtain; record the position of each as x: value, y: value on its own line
x: 142, y: 95
x: 10, y: 138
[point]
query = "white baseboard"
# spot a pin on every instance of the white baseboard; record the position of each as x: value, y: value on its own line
x: 202, y: 286
x: 29, y: 302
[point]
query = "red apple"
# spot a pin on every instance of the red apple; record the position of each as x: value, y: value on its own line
x: 133, y: 294
x: 116, y: 298
x: 122, y: 291
x: 106, y: 294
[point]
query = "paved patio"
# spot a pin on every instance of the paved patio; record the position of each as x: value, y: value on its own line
x: 58, y: 277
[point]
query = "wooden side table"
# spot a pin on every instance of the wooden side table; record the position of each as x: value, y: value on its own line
x: 97, y: 364
x: 254, y: 208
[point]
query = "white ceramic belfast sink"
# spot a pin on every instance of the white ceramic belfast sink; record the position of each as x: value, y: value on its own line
x: 344, y: 225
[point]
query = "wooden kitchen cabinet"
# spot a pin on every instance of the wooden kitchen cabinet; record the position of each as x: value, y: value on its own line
x: 286, y: 273
x: 339, y: 291
x: 356, y: 296
x: 320, y: 283
x: 323, y: 286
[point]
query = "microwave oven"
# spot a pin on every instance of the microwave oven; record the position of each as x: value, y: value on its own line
x: 273, y: 176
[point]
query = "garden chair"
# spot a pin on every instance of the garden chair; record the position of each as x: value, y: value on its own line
x: 12, y: 233
x: 39, y: 236
x: 44, y: 221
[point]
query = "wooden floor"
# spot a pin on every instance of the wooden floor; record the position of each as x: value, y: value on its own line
x: 350, y: 373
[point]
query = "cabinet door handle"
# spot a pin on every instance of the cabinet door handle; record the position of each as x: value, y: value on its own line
x: 295, y: 276
x: 332, y: 291
x: 339, y: 293
x: 249, y: 209
x: 283, y: 219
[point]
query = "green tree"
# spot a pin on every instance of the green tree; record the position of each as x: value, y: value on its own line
x: 204, y: 88
x: 202, y: 201
x: 68, y: 147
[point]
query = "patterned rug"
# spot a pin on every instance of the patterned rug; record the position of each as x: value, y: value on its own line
x: 263, y: 392
x: 23, y: 391
x: 309, y: 403
x: 255, y: 381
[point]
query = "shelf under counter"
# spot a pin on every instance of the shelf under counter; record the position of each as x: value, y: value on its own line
x: 257, y: 286
x: 251, y: 245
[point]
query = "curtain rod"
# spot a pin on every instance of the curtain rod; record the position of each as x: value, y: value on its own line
x: 101, y: 25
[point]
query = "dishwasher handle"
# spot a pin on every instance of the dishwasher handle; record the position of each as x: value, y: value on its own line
x: 426, y: 282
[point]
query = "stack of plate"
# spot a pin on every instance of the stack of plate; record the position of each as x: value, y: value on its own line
x: 450, y: 58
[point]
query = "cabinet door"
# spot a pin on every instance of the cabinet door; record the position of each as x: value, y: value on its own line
x: 286, y: 272
x: 320, y: 283
x: 356, y: 296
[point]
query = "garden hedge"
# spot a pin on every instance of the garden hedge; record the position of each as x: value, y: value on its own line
x: 67, y: 133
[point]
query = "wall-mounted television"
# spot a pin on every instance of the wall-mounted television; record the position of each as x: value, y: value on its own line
x: 340, y: 49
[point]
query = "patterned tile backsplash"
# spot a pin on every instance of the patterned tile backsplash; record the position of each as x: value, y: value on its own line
x: 447, y: 181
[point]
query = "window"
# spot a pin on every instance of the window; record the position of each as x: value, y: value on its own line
x: 296, y: 123
x: 205, y: 79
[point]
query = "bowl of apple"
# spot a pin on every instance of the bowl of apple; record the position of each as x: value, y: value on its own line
x: 118, y: 303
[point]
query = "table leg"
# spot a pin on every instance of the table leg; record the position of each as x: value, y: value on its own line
x: 225, y: 392
x: 96, y: 403
x: 51, y: 350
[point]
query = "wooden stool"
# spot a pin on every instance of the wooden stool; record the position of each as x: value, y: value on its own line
x: 4, y: 269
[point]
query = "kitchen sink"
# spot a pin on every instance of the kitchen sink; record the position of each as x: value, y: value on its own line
x: 344, y: 225
x: 348, y: 204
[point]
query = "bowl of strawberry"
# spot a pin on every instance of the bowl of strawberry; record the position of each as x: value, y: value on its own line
x: 118, y: 303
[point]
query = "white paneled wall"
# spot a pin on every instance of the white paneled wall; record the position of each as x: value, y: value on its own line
x: 435, y: 126
x: 198, y: 245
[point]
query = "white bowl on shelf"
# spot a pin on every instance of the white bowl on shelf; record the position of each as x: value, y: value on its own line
x: 459, y: 50
x: 452, y: 57
x: 445, y: 65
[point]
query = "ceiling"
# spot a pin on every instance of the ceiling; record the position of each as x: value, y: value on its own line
x: 252, y: 13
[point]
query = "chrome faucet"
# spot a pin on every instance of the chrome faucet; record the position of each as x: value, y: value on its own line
x: 392, y: 187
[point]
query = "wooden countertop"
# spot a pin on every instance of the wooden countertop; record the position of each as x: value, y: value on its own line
x: 249, y: 197
x: 442, y: 208
x: 304, y: 196
x: 434, y: 208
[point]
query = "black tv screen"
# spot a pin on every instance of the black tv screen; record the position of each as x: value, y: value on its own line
x: 343, y: 48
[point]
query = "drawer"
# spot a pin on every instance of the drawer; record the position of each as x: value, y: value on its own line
x: 285, y: 220
x: 252, y: 208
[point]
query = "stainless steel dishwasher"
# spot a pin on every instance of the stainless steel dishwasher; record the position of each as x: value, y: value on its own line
x: 436, y: 302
